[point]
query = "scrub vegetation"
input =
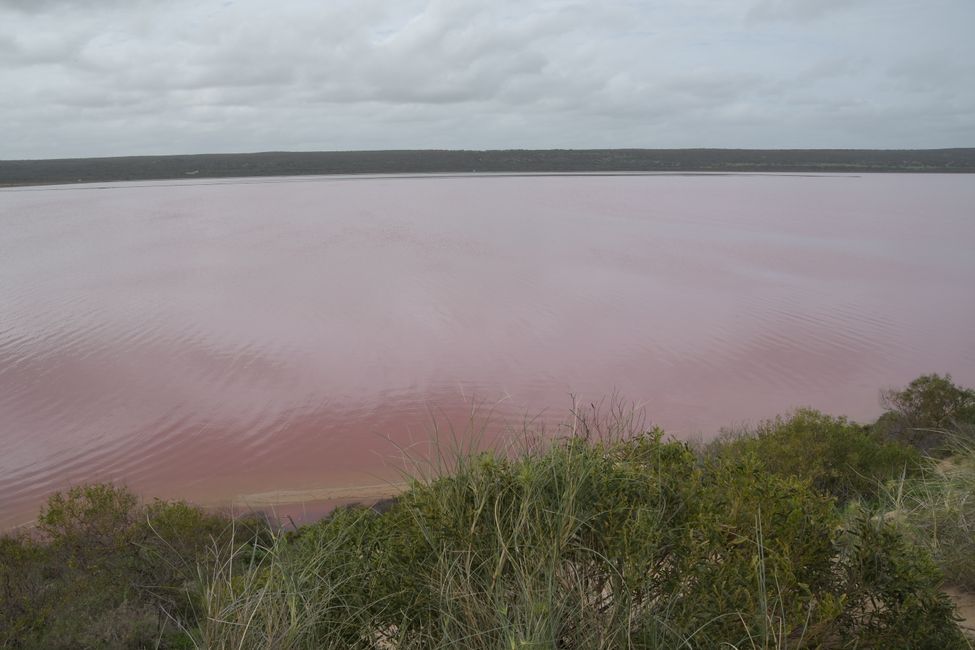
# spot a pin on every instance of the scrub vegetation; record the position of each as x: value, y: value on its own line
x: 808, y: 531
x: 519, y: 161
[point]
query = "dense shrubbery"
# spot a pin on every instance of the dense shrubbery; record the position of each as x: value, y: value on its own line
x: 103, y: 570
x: 928, y: 414
x: 587, y: 542
x: 936, y: 510
x: 632, y: 543
x: 837, y: 456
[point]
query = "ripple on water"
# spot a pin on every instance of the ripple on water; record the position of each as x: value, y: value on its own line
x: 205, y: 340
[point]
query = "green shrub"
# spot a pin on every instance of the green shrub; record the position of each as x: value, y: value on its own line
x: 24, y: 603
x: 937, y: 511
x: 105, y: 571
x: 553, y: 547
x: 168, y: 542
x: 90, y: 523
x: 892, y: 596
x: 922, y: 413
x: 837, y: 456
x: 50, y: 600
x: 585, y: 542
x: 590, y: 544
x: 760, y: 555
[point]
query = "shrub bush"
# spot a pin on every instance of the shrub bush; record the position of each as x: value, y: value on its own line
x: 925, y: 411
x: 104, y: 570
x: 585, y: 542
x: 937, y: 511
x: 837, y: 456
x: 891, y: 596
x: 634, y: 543
x: 24, y: 602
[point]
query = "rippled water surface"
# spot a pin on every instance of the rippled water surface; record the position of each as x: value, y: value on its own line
x: 212, y: 339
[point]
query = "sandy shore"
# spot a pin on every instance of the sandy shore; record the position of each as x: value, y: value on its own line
x: 291, y: 497
x: 300, y: 507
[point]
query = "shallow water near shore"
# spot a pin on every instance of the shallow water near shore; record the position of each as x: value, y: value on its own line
x: 212, y: 339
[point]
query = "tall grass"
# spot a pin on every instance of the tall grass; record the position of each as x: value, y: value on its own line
x: 937, y: 510
x: 608, y: 538
x: 600, y: 535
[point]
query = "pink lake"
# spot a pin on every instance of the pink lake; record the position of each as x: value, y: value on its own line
x: 213, y: 339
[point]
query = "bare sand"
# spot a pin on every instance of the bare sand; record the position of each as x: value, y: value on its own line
x: 286, y: 497
x: 965, y: 602
x: 299, y: 507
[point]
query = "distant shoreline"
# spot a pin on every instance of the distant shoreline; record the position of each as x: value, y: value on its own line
x: 18, y: 173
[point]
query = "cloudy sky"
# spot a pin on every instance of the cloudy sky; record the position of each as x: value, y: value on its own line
x: 118, y: 77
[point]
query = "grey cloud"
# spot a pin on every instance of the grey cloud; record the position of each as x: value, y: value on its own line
x: 185, y: 76
x: 946, y: 73
x: 799, y: 9
x: 42, y: 6
x: 43, y: 48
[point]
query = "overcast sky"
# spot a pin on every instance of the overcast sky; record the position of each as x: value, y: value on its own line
x: 119, y: 77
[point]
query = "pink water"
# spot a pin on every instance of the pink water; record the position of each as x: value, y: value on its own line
x: 210, y: 339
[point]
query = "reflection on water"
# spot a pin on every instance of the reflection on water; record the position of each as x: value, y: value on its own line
x: 205, y: 340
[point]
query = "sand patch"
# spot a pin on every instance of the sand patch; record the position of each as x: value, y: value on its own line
x: 351, y: 492
x: 965, y: 602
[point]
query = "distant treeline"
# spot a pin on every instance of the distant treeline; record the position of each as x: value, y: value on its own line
x: 133, y: 168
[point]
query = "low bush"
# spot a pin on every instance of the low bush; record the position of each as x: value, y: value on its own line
x: 937, y: 512
x: 598, y: 540
x: 103, y: 570
x: 588, y: 544
x: 836, y: 456
x: 25, y: 604
x: 928, y: 414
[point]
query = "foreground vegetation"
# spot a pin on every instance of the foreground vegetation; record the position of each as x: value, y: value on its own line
x: 806, y: 531
x: 88, y: 170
